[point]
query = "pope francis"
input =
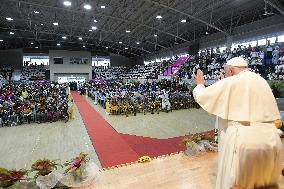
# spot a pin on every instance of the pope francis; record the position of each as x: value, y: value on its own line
x: 249, y: 144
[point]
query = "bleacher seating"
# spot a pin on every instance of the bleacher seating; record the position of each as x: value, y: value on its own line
x: 110, y: 73
x: 212, y: 64
x: 150, y: 71
x: 33, y: 72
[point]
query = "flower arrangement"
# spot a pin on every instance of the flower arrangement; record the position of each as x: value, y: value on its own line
x: 74, y: 166
x: 44, y: 167
x: 10, y: 177
x: 188, y: 141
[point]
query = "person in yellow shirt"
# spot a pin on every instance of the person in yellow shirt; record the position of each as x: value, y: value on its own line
x: 71, y: 111
x: 25, y: 94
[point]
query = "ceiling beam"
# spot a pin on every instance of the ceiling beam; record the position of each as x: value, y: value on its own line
x: 188, y: 15
x: 87, y: 37
x: 66, y: 41
x: 149, y: 18
x: 276, y: 5
x: 96, y: 14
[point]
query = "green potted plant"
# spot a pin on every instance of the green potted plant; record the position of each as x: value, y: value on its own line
x: 80, y: 172
x: 11, y: 177
x: 199, y: 142
x: 43, y: 167
x: 45, y: 176
x: 277, y: 88
x: 75, y: 166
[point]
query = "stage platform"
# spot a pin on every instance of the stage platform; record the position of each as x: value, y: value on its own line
x: 171, y: 172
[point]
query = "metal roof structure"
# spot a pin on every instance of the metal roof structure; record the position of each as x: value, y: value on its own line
x: 127, y: 27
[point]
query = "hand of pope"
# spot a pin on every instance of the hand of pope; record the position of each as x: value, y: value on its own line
x: 199, y: 79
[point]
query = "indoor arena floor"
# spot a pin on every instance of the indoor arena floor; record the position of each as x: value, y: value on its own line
x: 162, y: 125
x: 23, y: 145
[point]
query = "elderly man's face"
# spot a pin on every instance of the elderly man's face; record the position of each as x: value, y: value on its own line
x: 228, y: 71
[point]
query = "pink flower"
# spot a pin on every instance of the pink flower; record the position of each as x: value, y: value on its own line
x: 41, y: 165
x: 4, y: 177
x: 76, y: 163
x: 17, y: 175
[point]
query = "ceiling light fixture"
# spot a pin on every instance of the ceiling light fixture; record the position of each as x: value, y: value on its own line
x: 36, y: 47
x: 127, y: 31
x: 80, y: 38
x: 138, y: 43
x: 9, y: 19
x: 120, y: 42
x: 84, y: 46
x: 12, y: 33
x: 87, y: 6
x: 95, y: 21
x: 67, y: 3
x: 106, y: 47
x: 41, y: 24
x: 183, y: 21
x: 64, y: 37
x: 36, y: 12
x: 1, y: 40
x: 55, y: 23
x: 155, y: 35
x: 58, y: 44
x: 90, y: 30
x: 206, y: 33
x: 126, y: 48
x: 32, y: 43
x: 103, y: 7
x: 94, y: 27
x: 159, y: 17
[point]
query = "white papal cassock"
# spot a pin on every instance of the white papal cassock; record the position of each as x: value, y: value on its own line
x: 249, y: 145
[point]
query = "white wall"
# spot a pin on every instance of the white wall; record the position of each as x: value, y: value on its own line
x: 69, y: 69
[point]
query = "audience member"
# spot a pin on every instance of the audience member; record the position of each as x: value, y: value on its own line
x: 132, y: 98
x: 33, y: 71
x: 26, y: 102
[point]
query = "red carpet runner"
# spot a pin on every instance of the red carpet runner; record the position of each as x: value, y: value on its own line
x: 153, y: 147
x: 110, y: 146
x: 114, y: 148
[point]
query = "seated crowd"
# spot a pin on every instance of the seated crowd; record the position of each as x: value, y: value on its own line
x: 279, y: 71
x: 212, y: 62
x: 33, y: 71
x: 150, y: 71
x: 6, y: 72
x: 39, y: 102
x: 110, y: 73
x: 268, y: 61
x: 132, y: 98
x: 26, y: 102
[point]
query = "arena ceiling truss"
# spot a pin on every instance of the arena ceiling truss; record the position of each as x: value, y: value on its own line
x: 127, y: 27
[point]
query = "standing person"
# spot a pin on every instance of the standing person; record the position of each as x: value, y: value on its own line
x: 269, y: 50
x: 166, y: 105
x: 250, y: 147
x: 275, y: 55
